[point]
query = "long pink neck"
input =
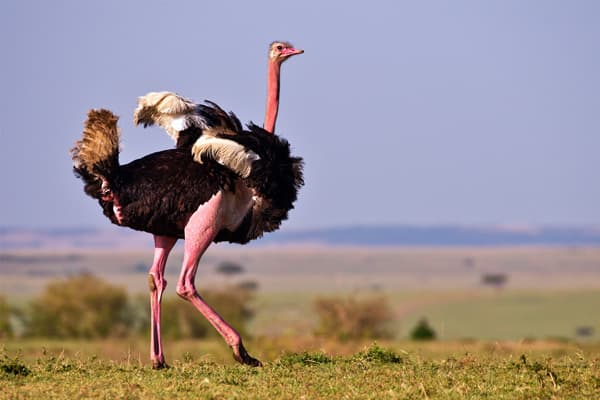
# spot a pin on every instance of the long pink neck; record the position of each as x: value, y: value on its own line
x: 272, y: 96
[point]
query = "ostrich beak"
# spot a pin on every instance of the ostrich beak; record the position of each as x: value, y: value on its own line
x: 292, y: 52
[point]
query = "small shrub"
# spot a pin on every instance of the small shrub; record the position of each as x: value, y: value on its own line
x: 377, y: 354
x: 80, y: 307
x: 423, y: 331
x: 229, y: 268
x: 6, y: 330
x: 497, y: 281
x: 584, y: 331
x: 13, y: 366
x: 352, y: 318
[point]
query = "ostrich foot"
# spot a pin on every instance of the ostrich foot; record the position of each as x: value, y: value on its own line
x: 241, y: 355
x: 159, y: 364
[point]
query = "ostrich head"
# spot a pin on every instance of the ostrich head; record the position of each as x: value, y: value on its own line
x: 278, y: 53
x: 281, y: 51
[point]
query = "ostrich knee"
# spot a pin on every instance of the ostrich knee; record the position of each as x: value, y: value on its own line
x: 186, y: 290
x: 156, y: 284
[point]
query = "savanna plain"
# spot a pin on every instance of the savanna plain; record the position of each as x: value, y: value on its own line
x: 508, y: 323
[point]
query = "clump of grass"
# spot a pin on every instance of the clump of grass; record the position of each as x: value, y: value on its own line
x: 540, y: 370
x: 305, y: 358
x: 13, y: 366
x: 375, y: 353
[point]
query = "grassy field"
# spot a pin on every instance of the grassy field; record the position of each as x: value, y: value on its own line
x: 519, y: 341
x: 71, y: 370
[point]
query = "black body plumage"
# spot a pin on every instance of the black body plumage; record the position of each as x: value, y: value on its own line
x: 157, y: 193
x: 160, y: 191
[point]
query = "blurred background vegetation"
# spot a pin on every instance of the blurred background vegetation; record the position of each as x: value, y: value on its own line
x: 87, y: 307
x: 343, y: 295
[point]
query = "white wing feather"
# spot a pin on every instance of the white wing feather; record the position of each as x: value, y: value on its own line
x: 226, y: 152
x: 175, y: 114
x: 168, y: 110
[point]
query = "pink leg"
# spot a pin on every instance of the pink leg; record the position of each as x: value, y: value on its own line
x: 157, y: 284
x: 200, y: 231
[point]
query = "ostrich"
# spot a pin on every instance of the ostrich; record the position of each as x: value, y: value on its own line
x: 195, y: 191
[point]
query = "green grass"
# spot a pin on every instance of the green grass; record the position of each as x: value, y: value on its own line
x: 375, y: 372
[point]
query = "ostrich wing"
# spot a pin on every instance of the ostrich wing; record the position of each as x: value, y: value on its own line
x: 212, y: 124
x: 170, y: 111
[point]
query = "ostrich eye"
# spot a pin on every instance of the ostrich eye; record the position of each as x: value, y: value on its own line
x: 280, y: 47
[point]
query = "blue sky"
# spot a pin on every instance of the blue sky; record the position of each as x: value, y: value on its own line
x: 406, y: 112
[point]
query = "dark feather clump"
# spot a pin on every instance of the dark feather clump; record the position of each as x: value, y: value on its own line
x: 215, y: 116
x: 159, y: 192
x: 188, y: 137
x: 276, y: 178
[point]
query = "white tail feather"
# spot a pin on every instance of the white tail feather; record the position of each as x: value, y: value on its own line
x: 226, y: 152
